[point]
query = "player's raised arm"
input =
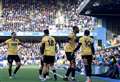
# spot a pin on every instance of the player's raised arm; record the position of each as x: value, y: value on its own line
x: 78, y: 46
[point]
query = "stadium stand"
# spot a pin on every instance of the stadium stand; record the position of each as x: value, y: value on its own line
x: 38, y: 16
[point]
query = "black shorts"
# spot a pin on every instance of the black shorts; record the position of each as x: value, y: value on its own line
x: 10, y: 58
x: 41, y: 61
x: 70, y: 56
x: 88, y: 58
x: 49, y: 59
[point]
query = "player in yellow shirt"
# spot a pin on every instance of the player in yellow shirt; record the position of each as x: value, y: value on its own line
x: 12, y: 44
x: 87, y: 50
x: 48, y: 49
x: 69, y: 50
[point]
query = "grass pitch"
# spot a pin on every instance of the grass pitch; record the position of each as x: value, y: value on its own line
x: 30, y: 74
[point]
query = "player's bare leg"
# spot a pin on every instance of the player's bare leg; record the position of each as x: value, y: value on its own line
x: 17, y: 68
x: 54, y: 70
x: 10, y: 70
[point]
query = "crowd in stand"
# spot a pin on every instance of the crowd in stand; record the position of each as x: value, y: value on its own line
x: 36, y: 16
x: 101, y: 55
x: 109, y: 59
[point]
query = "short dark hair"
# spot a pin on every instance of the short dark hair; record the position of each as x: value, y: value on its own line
x: 46, y: 31
x: 87, y: 32
x: 13, y: 33
x: 114, y: 36
x: 74, y: 27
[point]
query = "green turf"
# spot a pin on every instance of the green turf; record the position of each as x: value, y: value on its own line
x: 30, y: 74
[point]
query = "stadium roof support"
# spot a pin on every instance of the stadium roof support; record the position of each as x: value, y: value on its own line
x: 101, y: 8
x: 82, y: 5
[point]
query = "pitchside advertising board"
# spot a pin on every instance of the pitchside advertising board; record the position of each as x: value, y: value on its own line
x: 98, y: 34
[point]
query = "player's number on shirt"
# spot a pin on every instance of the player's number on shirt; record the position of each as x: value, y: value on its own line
x: 87, y: 43
x: 51, y: 42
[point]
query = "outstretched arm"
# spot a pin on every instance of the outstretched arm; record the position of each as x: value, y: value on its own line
x: 78, y: 46
x: 92, y: 48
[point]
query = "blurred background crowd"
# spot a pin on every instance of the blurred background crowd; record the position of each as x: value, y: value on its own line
x: 38, y: 15
x: 101, y: 57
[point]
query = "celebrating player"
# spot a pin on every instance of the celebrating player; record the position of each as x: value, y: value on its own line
x: 69, y: 50
x: 87, y: 49
x: 48, y: 49
x: 12, y: 44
